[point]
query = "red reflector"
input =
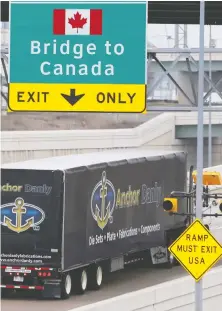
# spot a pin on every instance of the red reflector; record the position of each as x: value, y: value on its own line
x: 39, y: 273
x: 49, y: 273
x: 44, y: 274
x: 39, y: 287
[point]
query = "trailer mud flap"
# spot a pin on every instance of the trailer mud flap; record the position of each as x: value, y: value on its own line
x: 52, y: 290
x: 159, y: 255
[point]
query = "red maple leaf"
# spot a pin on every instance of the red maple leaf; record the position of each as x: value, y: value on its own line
x: 77, y: 22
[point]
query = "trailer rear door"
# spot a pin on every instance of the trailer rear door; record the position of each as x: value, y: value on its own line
x: 31, y: 217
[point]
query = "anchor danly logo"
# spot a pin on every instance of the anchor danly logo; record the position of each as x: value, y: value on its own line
x: 20, y: 216
x: 103, y: 201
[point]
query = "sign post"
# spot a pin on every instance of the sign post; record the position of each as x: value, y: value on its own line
x: 196, y: 248
x: 199, y: 190
x: 78, y: 57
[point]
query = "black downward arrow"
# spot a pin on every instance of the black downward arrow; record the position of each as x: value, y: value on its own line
x: 72, y: 98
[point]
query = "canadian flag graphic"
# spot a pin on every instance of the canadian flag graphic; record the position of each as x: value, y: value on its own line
x: 77, y: 22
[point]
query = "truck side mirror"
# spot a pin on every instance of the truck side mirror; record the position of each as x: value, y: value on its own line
x: 170, y: 204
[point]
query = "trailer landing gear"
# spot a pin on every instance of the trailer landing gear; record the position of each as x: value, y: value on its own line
x: 95, y: 277
x: 172, y: 262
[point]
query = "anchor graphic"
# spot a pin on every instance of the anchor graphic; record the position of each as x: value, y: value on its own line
x: 102, y: 219
x: 19, y: 210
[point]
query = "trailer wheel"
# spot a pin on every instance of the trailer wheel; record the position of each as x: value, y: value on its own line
x: 95, y: 277
x: 66, y: 286
x: 81, y: 281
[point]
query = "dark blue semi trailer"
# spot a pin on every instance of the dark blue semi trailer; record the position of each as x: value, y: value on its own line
x: 65, y: 221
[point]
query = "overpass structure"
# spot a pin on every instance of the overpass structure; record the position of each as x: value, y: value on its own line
x: 168, y: 131
x: 186, y: 126
x: 181, y: 67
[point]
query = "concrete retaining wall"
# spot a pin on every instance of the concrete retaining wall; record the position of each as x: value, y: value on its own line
x: 156, y: 133
x: 177, y: 295
x: 24, y: 145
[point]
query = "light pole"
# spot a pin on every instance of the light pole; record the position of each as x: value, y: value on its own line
x: 210, y: 125
x: 199, y: 187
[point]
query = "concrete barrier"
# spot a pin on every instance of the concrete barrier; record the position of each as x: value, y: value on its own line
x: 176, y: 295
x: 156, y: 133
x: 25, y: 145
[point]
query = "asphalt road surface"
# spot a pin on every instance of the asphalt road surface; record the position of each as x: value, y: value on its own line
x: 117, y: 283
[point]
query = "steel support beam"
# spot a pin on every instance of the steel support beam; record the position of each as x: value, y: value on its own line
x: 149, y: 60
x: 211, y: 89
x: 4, y: 56
x: 4, y: 96
x: 180, y: 108
x: 165, y: 73
x: 207, y: 78
x: 191, y: 80
x: 172, y: 79
x: 4, y: 69
x: 179, y: 50
x: 182, y: 53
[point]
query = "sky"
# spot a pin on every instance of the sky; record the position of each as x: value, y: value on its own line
x: 157, y: 34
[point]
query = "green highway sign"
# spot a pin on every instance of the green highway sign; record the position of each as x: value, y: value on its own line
x: 78, y: 56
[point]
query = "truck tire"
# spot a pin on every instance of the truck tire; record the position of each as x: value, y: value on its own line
x: 95, y: 277
x: 81, y: 281
x: 66, y: 286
